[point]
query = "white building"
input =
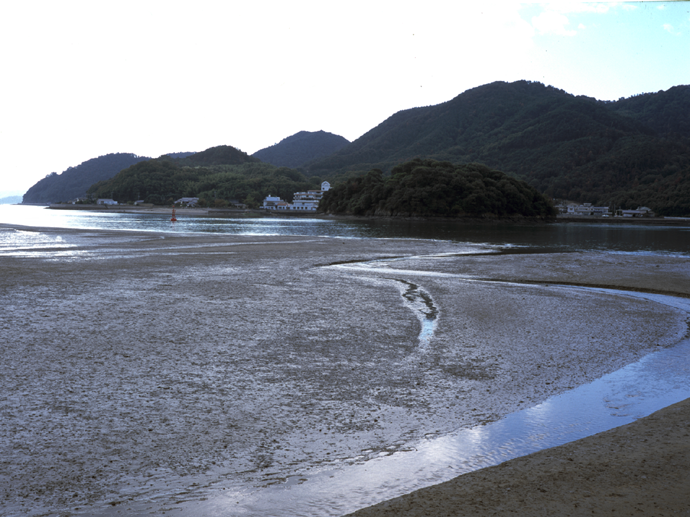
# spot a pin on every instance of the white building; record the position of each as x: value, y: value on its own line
x: 106, y: 202
x: 303, y: 201
x: 587, y: 209
x: 272, y: 202
x: 309, y: 200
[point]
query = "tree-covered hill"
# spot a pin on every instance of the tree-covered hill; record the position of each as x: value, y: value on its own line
x: 75, y: 181
x: 301, y: 148
x: 219, y: 155
x: 164, y: 180
x: 428, y: 188
x: 629, y: 152
x: 477, y: 123
x: 666, y: 112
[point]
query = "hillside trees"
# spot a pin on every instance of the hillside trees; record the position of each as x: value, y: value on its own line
x: 158, y: 181
x: 429, y: 188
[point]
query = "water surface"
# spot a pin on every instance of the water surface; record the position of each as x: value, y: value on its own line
x: 607, y: 237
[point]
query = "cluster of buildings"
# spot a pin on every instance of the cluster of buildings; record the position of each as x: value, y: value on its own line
x: 587, y: 210
x: 304, y: 201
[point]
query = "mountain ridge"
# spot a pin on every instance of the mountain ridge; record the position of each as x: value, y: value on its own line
x: 303, y: 147
x: 629, y: 152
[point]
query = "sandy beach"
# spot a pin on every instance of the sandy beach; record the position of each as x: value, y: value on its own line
x: 642, y: 468
x: 141, y: 364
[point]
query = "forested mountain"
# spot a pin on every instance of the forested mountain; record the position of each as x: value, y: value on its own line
x: 630, y: 152
x: 666, y: 112
x: 242, y: 178
x: 301, y: 148
x: 428, y: 188
x: 75, y: 181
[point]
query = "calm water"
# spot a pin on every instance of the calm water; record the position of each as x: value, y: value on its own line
x: 556, y: 237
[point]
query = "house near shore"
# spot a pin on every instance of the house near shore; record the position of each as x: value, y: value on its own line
x: 586, y: 209
x: 302, y: 201
x: 275, y: 203
x: 187, y: 201
x: 641, y: 211
x: 106, y: 202
x: 235, y: 203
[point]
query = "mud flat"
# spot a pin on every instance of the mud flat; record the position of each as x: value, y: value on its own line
x: 149, y: 371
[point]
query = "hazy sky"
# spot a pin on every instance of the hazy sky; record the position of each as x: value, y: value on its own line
x: 82, y: 79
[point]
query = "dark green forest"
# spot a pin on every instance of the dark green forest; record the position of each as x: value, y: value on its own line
x: 429, y: 188
x: 666, y: 112
x: 219, y: 155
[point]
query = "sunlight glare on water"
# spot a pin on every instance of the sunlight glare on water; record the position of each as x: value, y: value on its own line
x: 656, y: 381
x: 606, y: 237
x: 11, y: 239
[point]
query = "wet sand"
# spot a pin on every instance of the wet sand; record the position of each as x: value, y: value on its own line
x: 137, y: 365
x: 642, y: 468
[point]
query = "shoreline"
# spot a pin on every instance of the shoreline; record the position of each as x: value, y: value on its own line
x: 219, y: 212
x: 151, y: 321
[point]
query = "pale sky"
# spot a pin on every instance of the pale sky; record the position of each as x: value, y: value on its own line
x: 82, y: 79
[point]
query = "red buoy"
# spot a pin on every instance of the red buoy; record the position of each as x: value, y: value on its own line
x: 173, y: 218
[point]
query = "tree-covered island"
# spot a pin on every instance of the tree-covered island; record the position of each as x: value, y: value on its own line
x: 429, y: 188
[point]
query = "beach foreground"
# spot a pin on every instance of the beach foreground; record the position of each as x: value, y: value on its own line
x: 642, y: 468
x: 144, y: 372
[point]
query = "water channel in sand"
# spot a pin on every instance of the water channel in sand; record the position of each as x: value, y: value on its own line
x: 637, y: 390
x: 633, y: 392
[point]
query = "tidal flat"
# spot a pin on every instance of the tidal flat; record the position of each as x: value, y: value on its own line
x: 146, y: 371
